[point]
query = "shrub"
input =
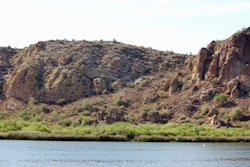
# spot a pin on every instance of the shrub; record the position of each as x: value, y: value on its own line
x: 185, y: 86
x: 37, y: 126
x: 162, y: 94
x: 4, y: 115
x: 205, y: 109
x: 166, y: 114
x: 236, y: 114
x: 119, y: 101
x: 87, y: 106
x: 32, y: 101
x: 61, y: 101
x: 65, y: 122
x: 215, y: 80
x: 220, y: 98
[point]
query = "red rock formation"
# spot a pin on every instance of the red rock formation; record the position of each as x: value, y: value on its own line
x: 226, y: 59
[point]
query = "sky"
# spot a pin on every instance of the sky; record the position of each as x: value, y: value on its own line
x: 182, y: 26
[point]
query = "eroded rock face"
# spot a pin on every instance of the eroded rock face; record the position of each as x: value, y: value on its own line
x: 66, y: 71
x: 6, y: 53
x: 225, y: 60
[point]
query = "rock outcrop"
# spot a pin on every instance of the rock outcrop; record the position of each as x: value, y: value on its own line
x: 54, y: 71
x: 227, y: 60
x: 6, y: 53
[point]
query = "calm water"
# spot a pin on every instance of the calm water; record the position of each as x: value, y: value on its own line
x: 118, y: 154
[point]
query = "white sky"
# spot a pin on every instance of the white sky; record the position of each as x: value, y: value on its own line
x: 182, y: 26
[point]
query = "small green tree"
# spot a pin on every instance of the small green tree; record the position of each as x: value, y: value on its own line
x: 220, y: 98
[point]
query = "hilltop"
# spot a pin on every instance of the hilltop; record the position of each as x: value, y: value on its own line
x: 82, y: 83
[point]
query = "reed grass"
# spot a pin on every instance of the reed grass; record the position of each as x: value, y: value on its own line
x: 121, y: 131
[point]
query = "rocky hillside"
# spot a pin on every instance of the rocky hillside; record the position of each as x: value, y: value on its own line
x: 67, y: 71
x: 112, y: 81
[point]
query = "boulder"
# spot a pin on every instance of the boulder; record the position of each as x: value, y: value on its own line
x: 235, y: 93
x: 203, y: 61
x: 99, y: 85
x: 109, y: 120
x: 244, y: 84
x: 214, y: 120
x: 101, y: 115
x: 154, y: 117
x: 139, y: 67
x: 190, y: 110
x: 142, y: 81
x: 208, y: 94
x: 166, y: 85
x: 174, y: 85
x: 213, y: 112
x: 231, y: 84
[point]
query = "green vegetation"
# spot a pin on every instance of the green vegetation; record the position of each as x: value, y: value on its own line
x: 215, y: 80
x: 205, y: 109
x: 119, y: 101
x: 236, y: 114
x: 120, y: 131
x: 220, y: 98
x: 86, y: 121
x: 185, y: 86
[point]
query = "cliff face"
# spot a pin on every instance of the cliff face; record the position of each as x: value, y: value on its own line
x: 6, y: 53
x: 65, y: 71
x: 227, y: 60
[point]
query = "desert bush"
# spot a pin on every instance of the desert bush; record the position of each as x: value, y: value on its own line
x: 4, y: 114
x: 86, y: 105
x: 215, y: 80
x: 236, y: 114
x: 220, y: 98
x: 85, y: 113
x: 32, y: 101
x: 131, y: 117
x: 197, y: 115
x: 148, y: 108
x: 185, y: 86
x: 65, y: 122
x: 119, y: 101
x: 162, y: 94
x: 205, y: 109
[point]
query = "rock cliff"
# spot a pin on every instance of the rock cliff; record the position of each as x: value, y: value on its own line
x: 226, y: 60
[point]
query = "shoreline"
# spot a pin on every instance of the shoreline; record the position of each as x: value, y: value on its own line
x: 118, y: 138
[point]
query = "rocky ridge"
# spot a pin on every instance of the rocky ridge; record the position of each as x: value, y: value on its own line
x: 66, y: 71
x: 110, y: 81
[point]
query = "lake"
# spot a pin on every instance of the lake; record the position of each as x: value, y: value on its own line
x: 122, y: 154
